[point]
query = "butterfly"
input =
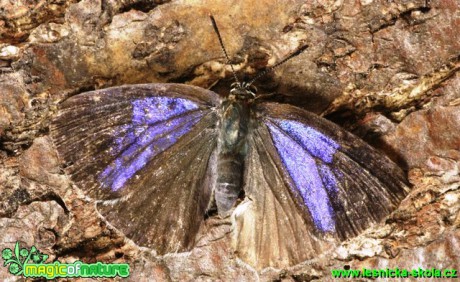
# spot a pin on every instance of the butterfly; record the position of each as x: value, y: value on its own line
x: 158, y: 157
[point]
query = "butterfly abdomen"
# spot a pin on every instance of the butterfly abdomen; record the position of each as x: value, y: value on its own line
x: 231, y: 152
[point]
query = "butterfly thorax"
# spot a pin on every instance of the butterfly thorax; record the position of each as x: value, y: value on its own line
x: 242, y: 91
x: 232, y: 147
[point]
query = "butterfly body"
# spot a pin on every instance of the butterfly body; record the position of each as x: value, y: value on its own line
x: 232, y: 147
x: 155, y: 155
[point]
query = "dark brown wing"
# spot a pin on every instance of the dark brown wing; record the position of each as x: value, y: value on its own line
x: 143, y: 151
x: 309, y: 184
x: 169, y: 198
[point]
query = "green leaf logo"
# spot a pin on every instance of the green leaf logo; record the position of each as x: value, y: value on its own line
x: 17, y: 258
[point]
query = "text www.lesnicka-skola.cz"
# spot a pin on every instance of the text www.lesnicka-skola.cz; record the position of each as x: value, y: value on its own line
x: 394, y: 273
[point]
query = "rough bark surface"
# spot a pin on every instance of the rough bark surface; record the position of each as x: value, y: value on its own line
x: 385, y: 70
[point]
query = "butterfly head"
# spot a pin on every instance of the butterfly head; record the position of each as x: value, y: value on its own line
x: 242, y: 91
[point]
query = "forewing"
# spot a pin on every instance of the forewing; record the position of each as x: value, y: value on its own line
x: 313, y: 180
x: 145, y: 152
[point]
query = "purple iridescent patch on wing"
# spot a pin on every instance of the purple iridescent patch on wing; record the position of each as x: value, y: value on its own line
x: 317, y: 144
x: 329, y: 179
x: 155, y: 109
x: 157, y: 124
x: 298, y: 145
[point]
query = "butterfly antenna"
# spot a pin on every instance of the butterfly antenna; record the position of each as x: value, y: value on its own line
x: 214, y: 25
x: 267, y: 70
